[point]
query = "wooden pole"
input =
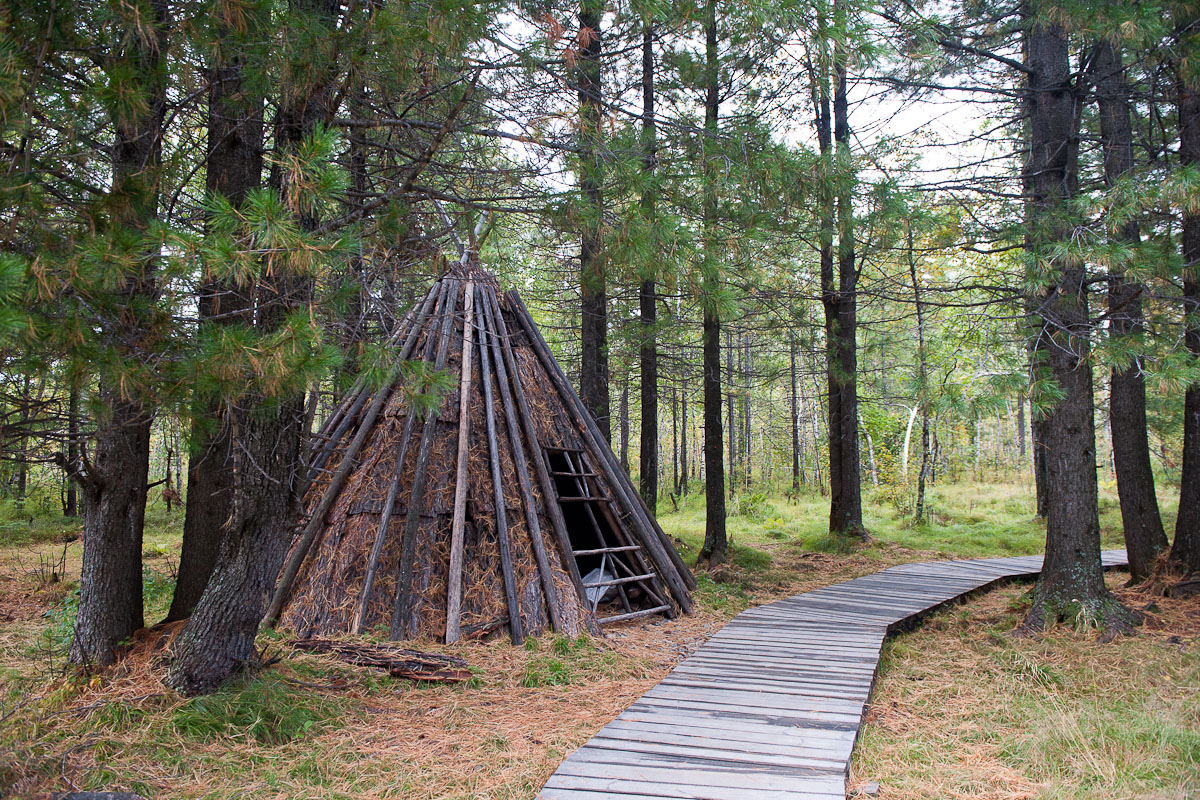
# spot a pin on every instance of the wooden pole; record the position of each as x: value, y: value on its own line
x: 454, y: 590
x: 549, y: 493
x: 503, y: 380
x: 506, y: 568
x: 309, y: 533
x: 677, y: 577
x: 389, y: 503
x: 344, y: 417
x: 402, y: 604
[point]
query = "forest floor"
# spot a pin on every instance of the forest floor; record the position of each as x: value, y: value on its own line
x: 962, y: 708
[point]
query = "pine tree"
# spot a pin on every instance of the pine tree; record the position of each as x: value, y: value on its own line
x: 114, y: 478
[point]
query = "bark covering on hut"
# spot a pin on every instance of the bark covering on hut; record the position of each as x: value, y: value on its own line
x: 494, y: 506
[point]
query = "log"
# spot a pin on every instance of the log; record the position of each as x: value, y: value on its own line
x: 389, y: 503
x: 402, y: 603
x: 506, y: 567
x: 661, y: 552
x: 400, y: 662
x: 549, y: 590
x: 309, y: 534
x: 454, y: 586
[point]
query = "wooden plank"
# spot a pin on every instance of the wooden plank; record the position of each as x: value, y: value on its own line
x: 618, y: 788
x: 664, y: 772
x: 697, y: 751
x: 654, y: 735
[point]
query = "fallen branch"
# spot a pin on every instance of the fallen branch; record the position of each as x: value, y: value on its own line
x: 398, y: 661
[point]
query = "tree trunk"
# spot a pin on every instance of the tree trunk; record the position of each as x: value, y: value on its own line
x: 1144, y: 535
x: 233, y: 168
x: 1186, y: 547
x: 795, y: 415
x: 845, y: 479
x: 922, y: 378
x: 648, y: 296
x: 268, y: 434
x: 23, y: 445
x: 675, y: 441
x: 1071, y: 586
x: 593, y: 367
x: 729, y: 409
x: 624, y: 411
x: 114, y: 484
x: 716, y: 546
x: 684, y: 455
x: 747, y: 434
x: 1021, y: 427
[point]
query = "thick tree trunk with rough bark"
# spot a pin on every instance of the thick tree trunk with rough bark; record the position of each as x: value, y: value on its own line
x: 1186, y: 547
x: 1071, y: 586
x: 268, y: 435
x: 716, y: 546
x: 233, y: 168
x: 114, y: 482
x: 1145, y: 538
x: 593, y: 367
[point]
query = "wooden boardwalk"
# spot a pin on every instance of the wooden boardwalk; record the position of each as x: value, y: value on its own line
x: 769, y: 708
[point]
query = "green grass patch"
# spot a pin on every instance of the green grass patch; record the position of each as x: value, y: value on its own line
x: 264, y: 709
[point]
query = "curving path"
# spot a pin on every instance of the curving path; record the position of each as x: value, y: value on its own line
x: 770, y: 706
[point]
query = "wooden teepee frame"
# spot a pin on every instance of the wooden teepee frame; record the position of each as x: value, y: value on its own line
x: 479, y: 514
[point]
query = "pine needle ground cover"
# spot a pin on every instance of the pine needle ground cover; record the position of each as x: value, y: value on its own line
x: 963, y: 709
x: 967, y: 711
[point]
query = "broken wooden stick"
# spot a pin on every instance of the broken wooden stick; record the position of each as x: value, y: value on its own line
x: 400, y: 662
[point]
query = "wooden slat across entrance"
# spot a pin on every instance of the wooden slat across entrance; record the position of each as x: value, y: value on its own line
x: 769, y: 708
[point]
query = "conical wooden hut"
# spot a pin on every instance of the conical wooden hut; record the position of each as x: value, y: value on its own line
x: 499, y: 508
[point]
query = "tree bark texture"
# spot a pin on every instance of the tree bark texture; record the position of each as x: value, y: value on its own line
x: 795, y: 414
x: 268, y: 435
x: 648, y: 296
x: 841, y: 315
x: 1145, y: 538
x: 1186, y: 547
x: 593, y: 367
x: 1071, y: 586
x: 114, y: 483
x: 716, y: 546
x: 233, y: 167
x: 729, y: 411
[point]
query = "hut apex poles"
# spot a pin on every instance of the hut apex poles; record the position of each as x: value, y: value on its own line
x: 454, y: 590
